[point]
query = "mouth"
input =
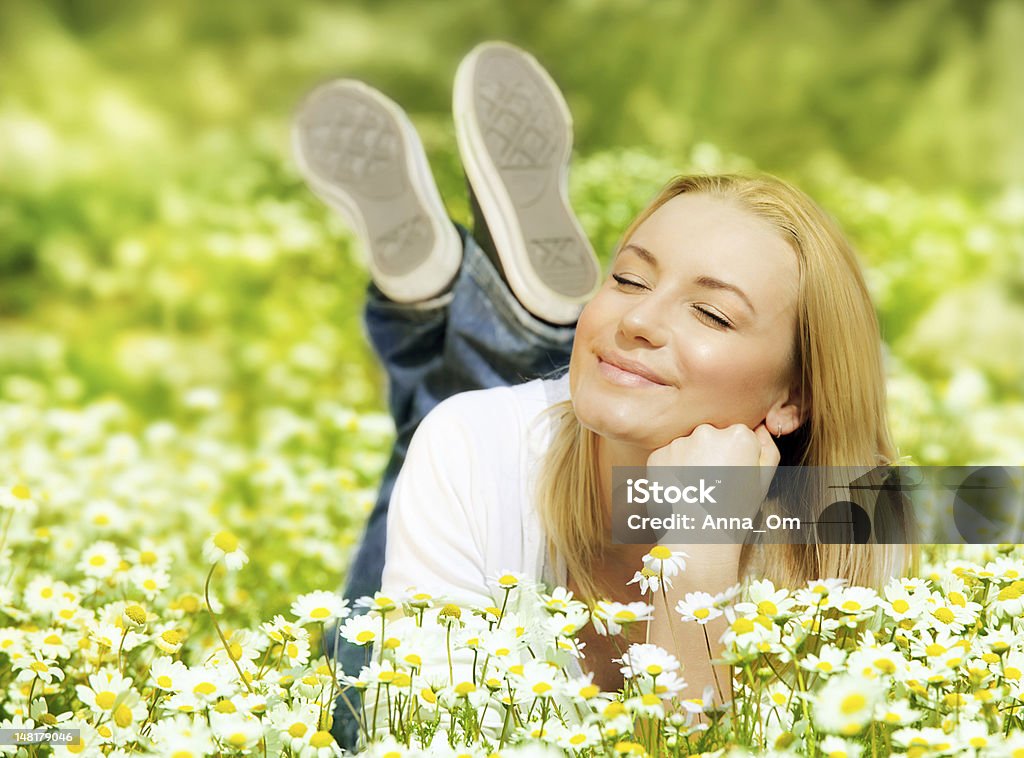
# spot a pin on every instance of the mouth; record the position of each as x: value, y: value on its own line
x: 626, y: 373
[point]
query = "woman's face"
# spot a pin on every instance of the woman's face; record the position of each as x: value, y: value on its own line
x: 695, y: 324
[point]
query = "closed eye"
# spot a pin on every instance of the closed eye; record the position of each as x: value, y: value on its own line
x: 627, y: 282
x: 716, y: 319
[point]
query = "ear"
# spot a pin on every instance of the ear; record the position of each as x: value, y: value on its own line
x: 788, y: 413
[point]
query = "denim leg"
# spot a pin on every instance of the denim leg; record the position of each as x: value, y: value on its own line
x: 475, y: 336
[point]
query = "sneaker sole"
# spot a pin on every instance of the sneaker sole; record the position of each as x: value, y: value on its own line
x: 515, y: 136
x: 361, y: 155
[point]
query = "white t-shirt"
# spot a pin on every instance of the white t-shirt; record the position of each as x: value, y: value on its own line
x: 462, y: 509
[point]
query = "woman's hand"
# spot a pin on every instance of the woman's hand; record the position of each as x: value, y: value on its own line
x: 737, y: 445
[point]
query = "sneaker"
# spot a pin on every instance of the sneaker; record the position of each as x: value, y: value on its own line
x: 515, y: 136
x: 361, y: 155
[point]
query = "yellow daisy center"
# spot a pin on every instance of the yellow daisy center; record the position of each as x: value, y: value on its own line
x: 226, y: 541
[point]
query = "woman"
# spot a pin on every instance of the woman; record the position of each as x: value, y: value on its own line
x: 734, y: 328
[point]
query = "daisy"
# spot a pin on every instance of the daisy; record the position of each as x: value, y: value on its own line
x: 900, y: 604
x: 280, y: 630
x: 648, y: 706
x: 149, y: 580
x: 506, y: 580
x: 875, y: 660
x: 100, y: 560
x: 896, y: 712
x: 845, y: 705
x: 37, y: 667
x: 765, y: 600
x: 615, y: 720
x: 745, y: 635
x: 361, y: 630
x: 296, y: 652
x: 89, y: 741
x: 224, y: 546
x: 106, y: 689
x: 243, y: 646
x: 17, y: 499
x: 646, y: 659
x: 566, y: 624
x: 12, y: 641
x: 236, y: 731
x: 322, y: 745
x: 208, y: 685
x: 703, y: 704
x: 666, y: 685
x: 182, y: 736
x: 577, y: 737
x: 296, y: 724
x: 149, y: 555
x: 817, y: 592
x: 1009, y: 600
x: 940, y: 647
x: 854, y: 601
x: 503, y: 645
x: 913, y: 584
x: 540, y: 679
x: 379, y: 603
x: 973, y: 735
x: 664, y: 562
x: 648, y: 581
x: 698, y: 606
x: 54, y: 599
x: 167, y: 674
x: 373, y: 674
x: 128, y: 716
x: 319, y: 606
x: 609, y: 617
x: 926, y: 739
x: 584, y: 690
x: 561, y: 601
x: 103, y: 514
x: 169, y: 640
x: 418, y: 601
x: 104, y: 640
x: 837, y: 747
x: 1005, y: 567
x: 829, y: 660
x: 53, y: 642
x: 776, y: 695
x: 819, y: 625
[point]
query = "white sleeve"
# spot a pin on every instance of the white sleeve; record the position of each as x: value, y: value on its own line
x: 436, y: 533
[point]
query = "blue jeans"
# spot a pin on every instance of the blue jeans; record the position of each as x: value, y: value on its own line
x: 474, y: 336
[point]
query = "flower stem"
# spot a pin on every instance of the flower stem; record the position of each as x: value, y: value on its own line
x: 707, y: 644
x: 224, y: 642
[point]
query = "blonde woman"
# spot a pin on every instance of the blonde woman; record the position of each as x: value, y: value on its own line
x: 733, y: 328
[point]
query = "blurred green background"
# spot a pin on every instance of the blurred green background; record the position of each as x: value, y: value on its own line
x: 155, y: 238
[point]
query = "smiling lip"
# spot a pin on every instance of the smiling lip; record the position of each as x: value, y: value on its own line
x: 624, y: 371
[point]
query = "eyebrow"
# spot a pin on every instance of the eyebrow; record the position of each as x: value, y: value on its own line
x: 708, y: 282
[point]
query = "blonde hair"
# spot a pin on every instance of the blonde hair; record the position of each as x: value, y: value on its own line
x: 838, y: 360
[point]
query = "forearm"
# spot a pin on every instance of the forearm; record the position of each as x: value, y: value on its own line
x: 711, y: 569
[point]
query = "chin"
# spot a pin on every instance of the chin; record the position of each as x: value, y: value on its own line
x: 620, y: 425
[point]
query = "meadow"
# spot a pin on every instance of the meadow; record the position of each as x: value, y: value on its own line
x: 192, y: 424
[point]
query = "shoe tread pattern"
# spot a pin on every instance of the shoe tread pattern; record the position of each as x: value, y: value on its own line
x: 527, y: 141
x: 357, y: 149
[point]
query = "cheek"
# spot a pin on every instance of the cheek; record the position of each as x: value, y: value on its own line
x: 729, y: 372
x: 590, y: 318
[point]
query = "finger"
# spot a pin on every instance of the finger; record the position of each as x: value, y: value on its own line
x: 770, y: 455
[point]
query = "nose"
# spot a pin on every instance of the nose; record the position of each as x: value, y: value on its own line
x: 645, y: 321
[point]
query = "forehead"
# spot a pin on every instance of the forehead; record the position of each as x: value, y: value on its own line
x: 695, y: 234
